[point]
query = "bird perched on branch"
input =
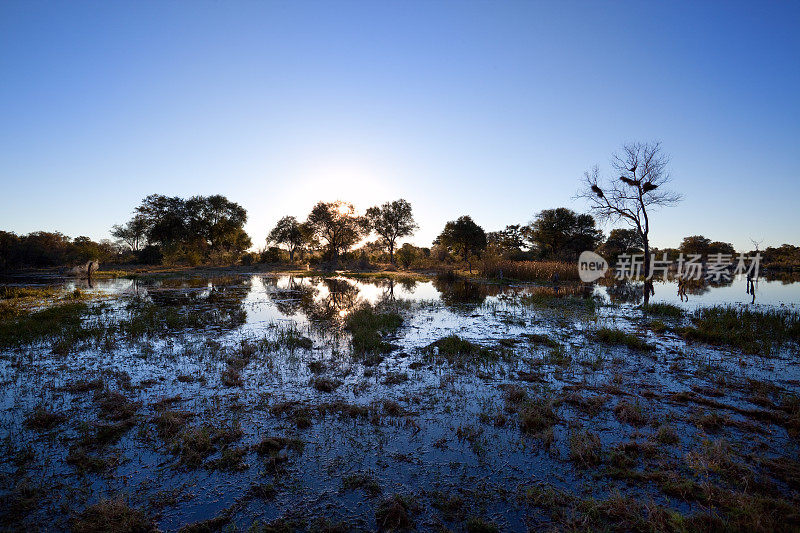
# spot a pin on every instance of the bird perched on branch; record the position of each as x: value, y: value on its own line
x: 598, y: 191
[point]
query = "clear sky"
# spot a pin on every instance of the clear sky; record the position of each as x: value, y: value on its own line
x: 492, y: 109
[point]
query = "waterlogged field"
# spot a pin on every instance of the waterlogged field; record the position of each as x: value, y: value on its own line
x: 279, y: 403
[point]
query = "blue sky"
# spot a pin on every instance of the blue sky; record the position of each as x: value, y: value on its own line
x: 492, y: 109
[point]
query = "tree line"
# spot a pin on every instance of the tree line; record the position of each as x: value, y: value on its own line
x: 210, y: 229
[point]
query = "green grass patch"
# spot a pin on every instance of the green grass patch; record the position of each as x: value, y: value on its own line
x: 663, y: 310
x: 456, y: 350
x: 62, y: 324
x: 753, y: 331
x: 368, y: 326
x: 620, y: 338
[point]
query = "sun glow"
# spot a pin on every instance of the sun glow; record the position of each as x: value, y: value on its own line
x: 353, y: 181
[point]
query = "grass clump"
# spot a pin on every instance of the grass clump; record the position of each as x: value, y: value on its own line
x: 363, y: 481
x: 41, y: 419
x: 537, y: 338
x: 620, y: 338
x: 324, y: 384
x: 630, y: 413
x: 667, y: 435
x: 479, y: 525
x: 663, y: 309
x: 456, y: 350
x: 368, y: 327
x: 394, y: 513
x: 112, y: 515
x: 585, y: 449
x: 753, y: 331
x: 291, y: 339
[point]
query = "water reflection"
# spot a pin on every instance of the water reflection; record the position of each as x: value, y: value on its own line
x: 463, y: 296
x: 320, y: 298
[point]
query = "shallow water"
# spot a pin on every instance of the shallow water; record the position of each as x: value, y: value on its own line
x: 427, y: 428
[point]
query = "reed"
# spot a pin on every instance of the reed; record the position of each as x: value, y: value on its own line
x: 528, y: 270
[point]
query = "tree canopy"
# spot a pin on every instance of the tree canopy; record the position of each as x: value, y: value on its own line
x: 562, y: 234
x: 392, y: 221
x: 290, y: 233
x: 338, y: 225
x: 463, y: 237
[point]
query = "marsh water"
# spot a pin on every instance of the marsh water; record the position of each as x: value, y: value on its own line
x: 268, y: 359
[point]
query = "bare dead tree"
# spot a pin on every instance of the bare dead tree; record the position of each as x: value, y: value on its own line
x: 633, y: 193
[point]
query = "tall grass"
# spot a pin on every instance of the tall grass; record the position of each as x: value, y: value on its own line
x: 528, y: 270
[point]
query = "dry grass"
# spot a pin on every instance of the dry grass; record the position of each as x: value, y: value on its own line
x: 529, y: 270
x: 112, y: 515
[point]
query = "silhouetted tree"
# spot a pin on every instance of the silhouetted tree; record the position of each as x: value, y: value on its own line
x: 641, y: 174
x: 392, y: 221
x: 621, y: 241
x: 166, y: 219
x: 199, y: 226
x: 463, y: 237
x: 695, y: 244
x: 336, y: 223
x: 510, y: 241
x: 290, y: 233
x: 218, y: 223
x: 133, y: 233
x: 407, y: 254
x: 48, y: 249
x: 563, y: 234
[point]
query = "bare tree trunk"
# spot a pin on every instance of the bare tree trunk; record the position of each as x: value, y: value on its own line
x: 646, y: 271
x: 391, y: 253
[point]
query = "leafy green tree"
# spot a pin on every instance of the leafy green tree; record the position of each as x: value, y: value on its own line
x: 562, y: 234
x: 408, y: 254
x: 290, y: 233
x: 464, y: 238
x: 218, y: 223
x: 392, y: 221
x: 337, y: 224
x: 696, y: 244
x: 197, y: 227
x: 510, y: 241
x: 718, y: 247
x: 166, y: 219
x: 621, y: 241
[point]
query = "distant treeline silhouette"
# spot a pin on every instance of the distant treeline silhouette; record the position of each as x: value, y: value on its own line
x: 210, y: 230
